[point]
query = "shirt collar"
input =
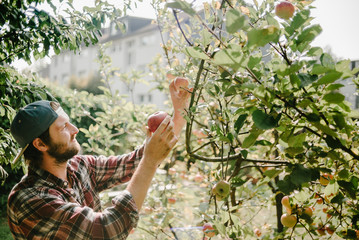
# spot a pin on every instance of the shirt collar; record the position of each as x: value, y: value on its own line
x: 49, y: 177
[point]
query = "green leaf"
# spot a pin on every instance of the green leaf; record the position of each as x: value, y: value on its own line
x: 254, y: 60
x: 272, y: 173
x: 309, y: 34
x: 306, y: 79
x: 327, y: 61
x: 232, y: 57
x: 263, y: 120
x: 332, y: 142
x: 348, y: 187
x: 251, y: 138
x: 340, y: 121
x: 299, y: 19
x: 332, y: 188
x: 328, y: 78
x: 196, y: 52
x: 334, y: 86
x: 312, y: 117
x: 315, y: 51
x: 300, y: 175
x: 240, y: 122
x: 182, y: 5
x: 339, y: 198
x: 319, y: 69
x: 235, y: 20
x: 334, y: 97
x: 261, y: 37
x: 285, y: 185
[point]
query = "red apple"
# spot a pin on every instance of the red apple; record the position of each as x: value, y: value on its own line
x: 284, y: 10
x: 308, y: 211
x: 288, y: 220
x: 198, y: 178
x: 321, y: 230
x: 171, y: 200
x: 257, y: 232
x: 155, y: 120
x: 181, y: 83
x: 330, y: 229
x: 208, y: 230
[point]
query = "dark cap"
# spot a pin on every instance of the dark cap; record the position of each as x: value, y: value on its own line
x: 33, y: 120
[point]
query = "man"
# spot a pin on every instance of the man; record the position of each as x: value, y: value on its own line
x: 59, y: 197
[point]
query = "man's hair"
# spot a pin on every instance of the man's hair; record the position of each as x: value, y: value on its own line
x: 33, y: 157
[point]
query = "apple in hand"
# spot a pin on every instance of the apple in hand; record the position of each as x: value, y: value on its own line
x: 208, y: 230
x: 181, y: 83
x: 284, y: 10
x: 288, y: 220
x: 154, y: 120
x: 221, y: 189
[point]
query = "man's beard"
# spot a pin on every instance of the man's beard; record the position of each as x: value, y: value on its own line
x: 60, y: 153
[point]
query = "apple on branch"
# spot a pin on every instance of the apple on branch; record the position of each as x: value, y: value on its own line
x: 284, y: 10
x: 288, y: 220
x: 155, y: 119
x: 221, y: 189
x: 208, y: 230
x: 286, y: 203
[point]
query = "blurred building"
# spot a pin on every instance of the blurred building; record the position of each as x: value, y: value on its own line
x: 350, y: 90
x: 131, y: 49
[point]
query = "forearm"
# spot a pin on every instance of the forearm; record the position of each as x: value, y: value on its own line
x: 141, y: 181
x: 179, y: 122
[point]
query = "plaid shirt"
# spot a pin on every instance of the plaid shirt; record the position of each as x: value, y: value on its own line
x: 42, y: 206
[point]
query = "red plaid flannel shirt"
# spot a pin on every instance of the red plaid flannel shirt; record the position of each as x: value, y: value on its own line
x: 42, y: 206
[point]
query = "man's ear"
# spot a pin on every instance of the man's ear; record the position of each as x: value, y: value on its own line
x: 40, y: 145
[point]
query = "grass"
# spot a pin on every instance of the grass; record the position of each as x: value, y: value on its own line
x: 5, y: 233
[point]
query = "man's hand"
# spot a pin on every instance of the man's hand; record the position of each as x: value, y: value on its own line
x: 159, y: 144
x: 180, y: 98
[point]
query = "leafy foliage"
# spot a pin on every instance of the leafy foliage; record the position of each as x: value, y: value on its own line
x: 269, y: 101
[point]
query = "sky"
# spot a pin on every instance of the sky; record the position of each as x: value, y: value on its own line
x: 339, y: 20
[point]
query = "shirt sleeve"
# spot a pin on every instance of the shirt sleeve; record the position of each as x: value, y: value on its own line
x: 48, y: 216
x: 106, y: 172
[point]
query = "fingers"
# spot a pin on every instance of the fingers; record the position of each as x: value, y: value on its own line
x: 172, y: 88
x: 163, y: 125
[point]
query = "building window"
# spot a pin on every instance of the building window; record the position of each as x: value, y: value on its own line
x: 149, y: 98
x: 142, y: 98
x: 65, y: 78
x: 130, y: 44
x: 148, y: 40
x: 130, y: 58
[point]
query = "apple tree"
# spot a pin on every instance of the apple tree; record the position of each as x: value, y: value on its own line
x: 266, y: 117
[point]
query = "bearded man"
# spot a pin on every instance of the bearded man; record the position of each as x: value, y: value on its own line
x: 59, y: 196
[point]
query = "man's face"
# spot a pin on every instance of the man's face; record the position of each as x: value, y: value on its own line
x: 63, y: 144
